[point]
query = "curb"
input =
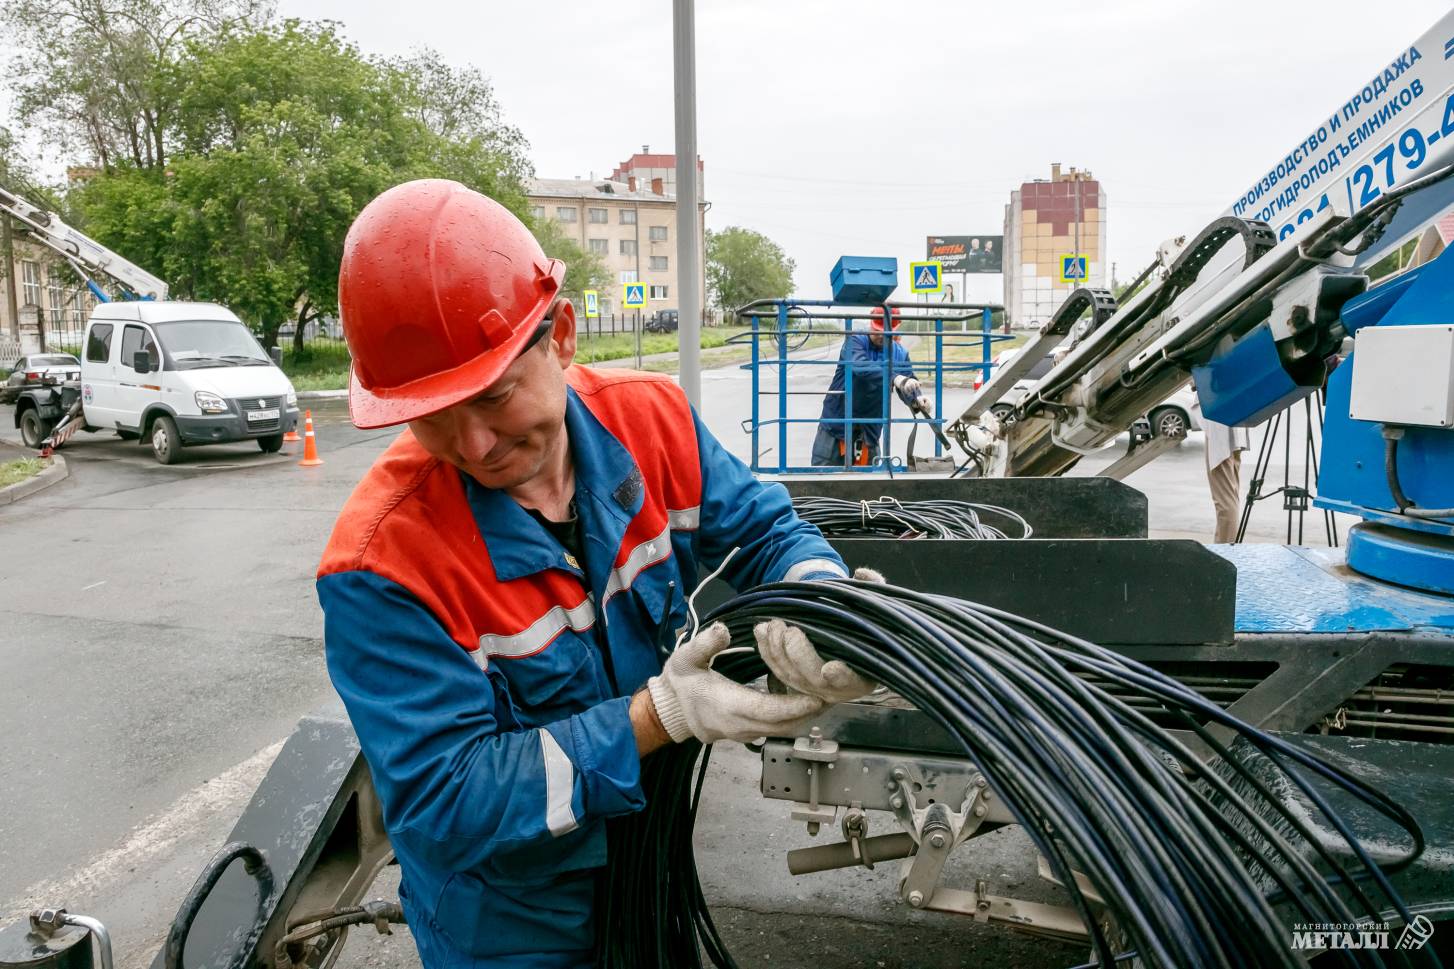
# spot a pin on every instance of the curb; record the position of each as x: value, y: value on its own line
x: 322, y: 394
x: 57, y: 472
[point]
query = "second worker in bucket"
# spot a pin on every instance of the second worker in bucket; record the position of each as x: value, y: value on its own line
x: 864, y: 353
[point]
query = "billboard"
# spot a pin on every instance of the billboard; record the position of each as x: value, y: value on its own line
x: 968, y: 254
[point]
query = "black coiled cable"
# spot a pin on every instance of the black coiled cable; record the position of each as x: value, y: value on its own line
x: 1188, y: 860
x: 934, y: 518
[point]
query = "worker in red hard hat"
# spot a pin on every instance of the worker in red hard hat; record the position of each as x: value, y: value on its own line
x: 502, y: 586
x: 873, y: 361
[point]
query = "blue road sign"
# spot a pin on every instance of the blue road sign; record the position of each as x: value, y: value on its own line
x: 926, y: 277
x: 1074, y: 269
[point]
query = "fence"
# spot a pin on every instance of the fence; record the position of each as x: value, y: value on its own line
x: 615, y: 324
x: 789, y: 324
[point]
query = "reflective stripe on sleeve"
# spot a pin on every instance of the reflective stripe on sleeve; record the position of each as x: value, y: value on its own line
x: 685, y: 519
x: 560, y: 783
x: 808, y: 566
x: 540, y: 633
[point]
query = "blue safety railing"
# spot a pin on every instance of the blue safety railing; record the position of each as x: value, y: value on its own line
x: 788, y: 324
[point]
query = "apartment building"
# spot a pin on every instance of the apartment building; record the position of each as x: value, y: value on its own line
x: 1044, y: 222
x: 630, y: 223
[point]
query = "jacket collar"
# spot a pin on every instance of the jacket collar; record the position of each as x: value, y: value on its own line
x: 609, y: 493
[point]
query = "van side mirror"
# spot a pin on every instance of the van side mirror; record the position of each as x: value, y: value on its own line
x: 141, y: 362
x: 276, y: 355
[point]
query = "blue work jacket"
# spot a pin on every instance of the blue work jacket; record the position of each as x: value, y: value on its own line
x: 488, y: 672
x: 869, y: 391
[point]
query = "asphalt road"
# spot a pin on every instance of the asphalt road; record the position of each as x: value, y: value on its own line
x: 161, y: 638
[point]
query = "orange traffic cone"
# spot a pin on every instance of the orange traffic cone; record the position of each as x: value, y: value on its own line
x: 292, y: 436
x: 310, y: 443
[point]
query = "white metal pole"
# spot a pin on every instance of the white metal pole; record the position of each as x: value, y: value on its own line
x: 689, y: 241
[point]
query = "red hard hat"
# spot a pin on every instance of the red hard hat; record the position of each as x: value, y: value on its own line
x: 439, y: 290
x: 876, y: 318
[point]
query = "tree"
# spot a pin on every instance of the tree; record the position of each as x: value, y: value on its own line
x: 743, y: 265
x: 19, y: 176
x: 279, y: 137
x: 583, y: 270
x: 92, y: 75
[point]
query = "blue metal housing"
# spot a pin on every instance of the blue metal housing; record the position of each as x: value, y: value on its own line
x: 1247, y: 383
x: 1415, y: 552
x: 864, y: 280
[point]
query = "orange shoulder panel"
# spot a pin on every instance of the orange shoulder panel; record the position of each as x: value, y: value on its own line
x: 649, y: 414
x: 396, y: 474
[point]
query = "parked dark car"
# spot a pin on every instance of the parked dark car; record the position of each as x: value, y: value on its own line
x: 30, y: 371
x: 662, y: 321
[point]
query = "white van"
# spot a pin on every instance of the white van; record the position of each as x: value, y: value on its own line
x: 177, y: 374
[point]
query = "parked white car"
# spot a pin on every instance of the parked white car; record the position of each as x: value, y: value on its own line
x: 35, y: 369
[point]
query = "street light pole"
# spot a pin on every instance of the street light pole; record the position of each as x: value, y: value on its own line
x: 689, y: 266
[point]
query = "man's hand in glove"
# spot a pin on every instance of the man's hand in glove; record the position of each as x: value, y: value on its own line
x: 693, y: 700
x: 792, y: 659
x: 908, y: 388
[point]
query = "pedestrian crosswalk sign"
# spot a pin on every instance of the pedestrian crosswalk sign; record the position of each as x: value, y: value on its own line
x: 926, y: 277
x: 633, y: 295
x: 1073, y: 269
x: 593, y: 304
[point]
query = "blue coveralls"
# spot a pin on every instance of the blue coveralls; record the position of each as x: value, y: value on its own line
x: 867, y: 363
x: 496, y: 783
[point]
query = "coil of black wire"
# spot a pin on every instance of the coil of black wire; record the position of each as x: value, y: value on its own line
x: 1195, y: 865
x: 933, y: 518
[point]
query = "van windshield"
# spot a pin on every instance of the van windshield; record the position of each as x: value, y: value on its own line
x: 195, y: 344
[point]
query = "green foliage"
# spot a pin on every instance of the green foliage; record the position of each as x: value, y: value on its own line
x: 14, y: 472
x: 320, y: 365
x: 277, y: 137
x: 583, y: 270
x: 743, y: 265
x: 92, y: 75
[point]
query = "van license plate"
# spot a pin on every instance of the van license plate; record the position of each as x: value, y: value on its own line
x: 254, y: 416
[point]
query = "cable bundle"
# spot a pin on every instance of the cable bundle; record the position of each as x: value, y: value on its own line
x: 1181, y: 852
x: 935, y: 518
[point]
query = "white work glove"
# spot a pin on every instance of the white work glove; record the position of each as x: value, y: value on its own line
x: 907, y: 387
x: 792, y: 659
x: 864, y: 574
x: 693, y: 700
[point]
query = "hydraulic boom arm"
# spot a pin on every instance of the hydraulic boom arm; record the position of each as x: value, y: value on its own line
x: 87, y: 256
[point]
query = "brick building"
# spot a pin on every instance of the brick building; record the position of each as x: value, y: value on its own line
x: 1045, y: 221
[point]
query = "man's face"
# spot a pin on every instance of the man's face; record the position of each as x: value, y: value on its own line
x: 505, y: 436
x: 876, y: 337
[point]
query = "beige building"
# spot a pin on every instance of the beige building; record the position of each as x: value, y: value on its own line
x: 38, y: 278
x: 630, y: 223
x: 1045, y: 222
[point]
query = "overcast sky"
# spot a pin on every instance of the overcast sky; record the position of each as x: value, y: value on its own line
x: 840, y: 126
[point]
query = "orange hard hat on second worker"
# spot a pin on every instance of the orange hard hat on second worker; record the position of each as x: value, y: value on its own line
x: 876, y: 318
x: 439, y: 291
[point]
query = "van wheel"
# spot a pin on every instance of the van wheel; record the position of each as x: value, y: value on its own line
x: 166, y: 443
x: 271, y: 444
x: 32, y: 429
